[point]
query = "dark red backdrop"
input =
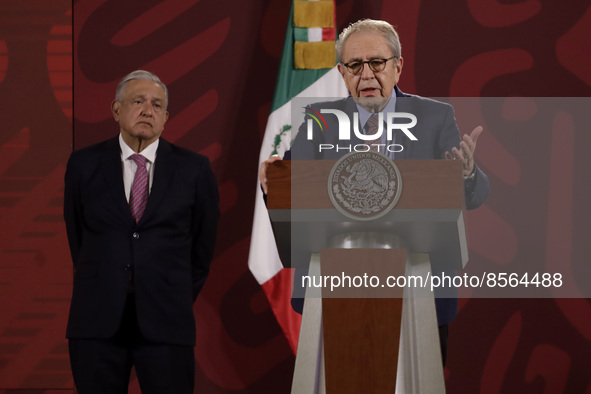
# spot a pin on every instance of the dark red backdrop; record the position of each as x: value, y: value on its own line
x: 220, y: 59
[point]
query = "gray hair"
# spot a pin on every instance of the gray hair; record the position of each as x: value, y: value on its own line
x: 142, y: 75
x: 370, y: 25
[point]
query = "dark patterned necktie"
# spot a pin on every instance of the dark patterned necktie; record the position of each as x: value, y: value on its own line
x: 371, y: 128
x: 139, y: 189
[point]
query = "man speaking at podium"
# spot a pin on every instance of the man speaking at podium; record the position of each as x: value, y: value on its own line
x: 141, y: 217
x: 370, y: 62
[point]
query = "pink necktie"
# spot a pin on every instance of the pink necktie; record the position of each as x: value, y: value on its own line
x: 372, y: 128
x: 139, y: 189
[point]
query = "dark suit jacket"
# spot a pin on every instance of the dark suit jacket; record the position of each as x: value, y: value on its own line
x: 436, y: 132
x: 169, y: 251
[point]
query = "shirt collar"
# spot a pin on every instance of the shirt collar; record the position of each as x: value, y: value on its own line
x: 364, y: 114
x: 149, y: 152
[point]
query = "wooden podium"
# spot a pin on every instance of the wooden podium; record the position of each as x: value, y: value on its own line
x: 369, y: 341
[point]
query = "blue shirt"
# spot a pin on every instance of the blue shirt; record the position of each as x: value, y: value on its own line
x: 364, y: 117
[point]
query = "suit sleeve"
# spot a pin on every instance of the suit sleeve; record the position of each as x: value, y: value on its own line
x: 73, y: 209
x: 302, y: 148
x: 476, y: 191
x: 205, y: 220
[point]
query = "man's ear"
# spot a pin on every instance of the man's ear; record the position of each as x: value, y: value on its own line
x: 399, y: 65
x: 115, y: 108
x: 342, y: 70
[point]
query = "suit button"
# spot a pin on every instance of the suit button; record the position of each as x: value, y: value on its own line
x: 127, y: 267
x: 136, y: 235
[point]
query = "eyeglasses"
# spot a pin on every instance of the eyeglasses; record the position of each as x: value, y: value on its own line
x: 375, y: 65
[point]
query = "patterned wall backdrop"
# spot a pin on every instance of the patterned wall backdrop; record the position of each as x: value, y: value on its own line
x: 537, y: 211
x: 35, y: 140
x: 220, y: 59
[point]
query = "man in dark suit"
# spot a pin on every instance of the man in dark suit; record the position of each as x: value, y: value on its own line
x: 370, y: 62
x: 141, y: 217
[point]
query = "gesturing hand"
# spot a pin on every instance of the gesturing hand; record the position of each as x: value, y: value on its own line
x: 466, y: 151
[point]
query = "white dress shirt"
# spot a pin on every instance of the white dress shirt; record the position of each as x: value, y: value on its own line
x: 129, y: 166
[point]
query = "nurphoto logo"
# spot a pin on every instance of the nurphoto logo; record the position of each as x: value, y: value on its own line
x: 344, y: 133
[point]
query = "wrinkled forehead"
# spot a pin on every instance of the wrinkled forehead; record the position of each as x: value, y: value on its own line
x: 365, y: 44
x: 144, y: 87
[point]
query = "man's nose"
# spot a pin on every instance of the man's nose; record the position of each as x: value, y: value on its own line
x: 366, y: 72
x: 147, y: 109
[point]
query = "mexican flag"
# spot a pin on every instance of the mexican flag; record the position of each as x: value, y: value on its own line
x: 307, y: 69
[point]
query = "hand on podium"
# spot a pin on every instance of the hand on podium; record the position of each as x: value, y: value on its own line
x: 263, y: 171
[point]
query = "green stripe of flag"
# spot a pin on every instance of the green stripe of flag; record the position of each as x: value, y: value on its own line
x: 290, y: 81
x: 300, y: 34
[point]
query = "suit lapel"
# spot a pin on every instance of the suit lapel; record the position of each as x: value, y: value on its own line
x: 113, y: 172
x: 163, y: 171
x: 402, y: 105
x: 350, y: 108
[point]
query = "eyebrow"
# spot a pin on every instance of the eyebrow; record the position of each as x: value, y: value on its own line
x: 353, y: 60
x: 141, y: 96
x: 357, y: 59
